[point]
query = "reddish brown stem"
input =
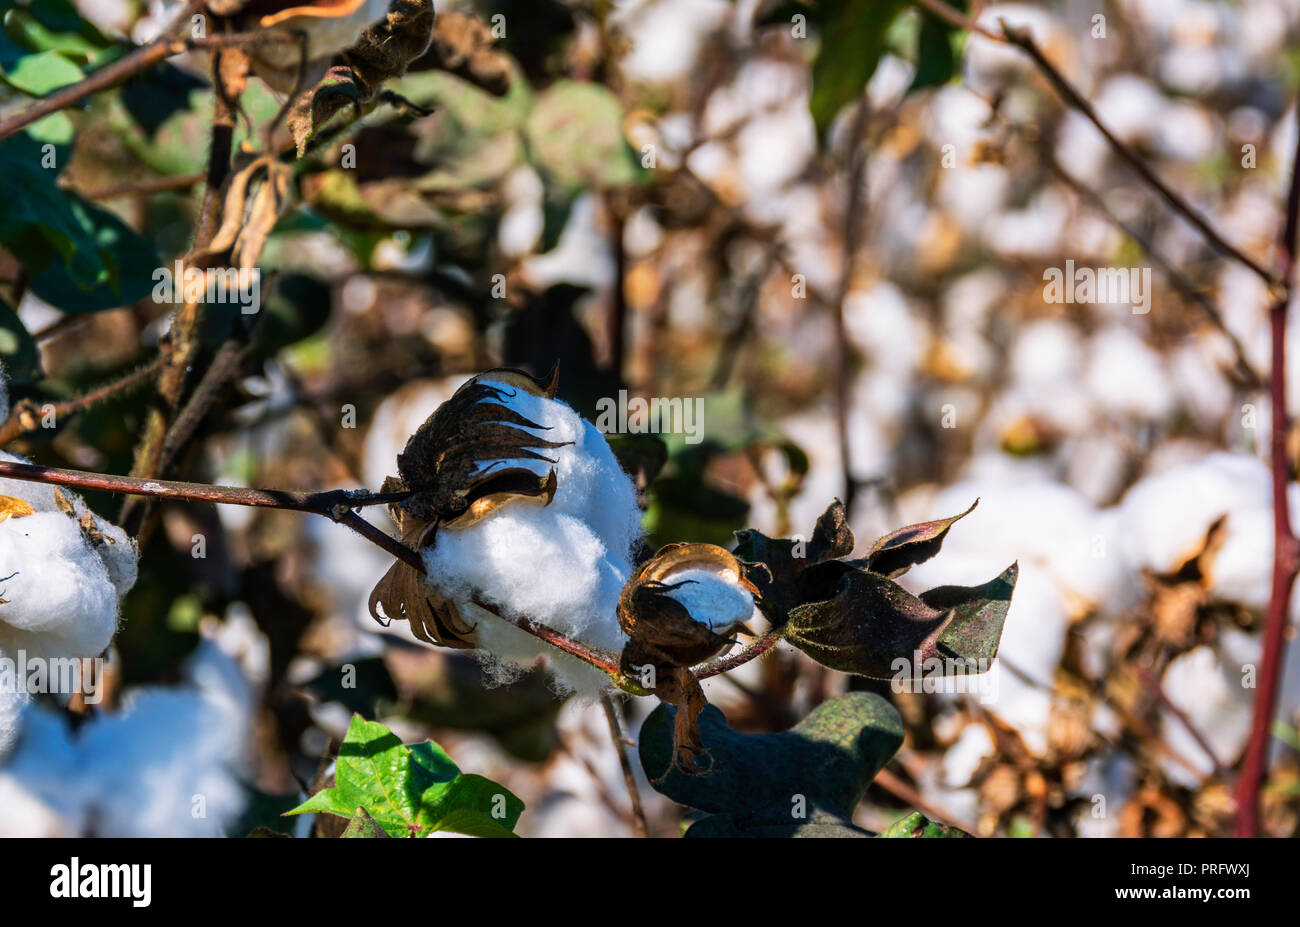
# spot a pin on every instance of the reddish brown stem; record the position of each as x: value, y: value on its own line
x: 1286, y: 549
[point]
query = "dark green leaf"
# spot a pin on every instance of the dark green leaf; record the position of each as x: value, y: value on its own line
x: 825, y: 762
x: 19, y: 357
x: 978, y: 614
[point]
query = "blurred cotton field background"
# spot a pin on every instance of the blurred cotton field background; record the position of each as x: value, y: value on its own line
x: 657, y: 203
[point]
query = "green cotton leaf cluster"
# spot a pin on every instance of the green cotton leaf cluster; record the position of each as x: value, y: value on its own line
x: 409, y: 790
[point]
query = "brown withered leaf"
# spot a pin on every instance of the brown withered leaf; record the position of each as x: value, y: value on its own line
x: 383, y: 52
x: 13, y: 507
x: 64, y: 503
x: 776, y: 565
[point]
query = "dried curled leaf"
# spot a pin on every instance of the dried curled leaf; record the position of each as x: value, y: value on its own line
x: 897, y: 552
x: 456, y: 469
x: 13, y: 507
x: 383, y: 51
x: 851, y: 616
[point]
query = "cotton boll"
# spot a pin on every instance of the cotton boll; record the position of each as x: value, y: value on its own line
x: 60, y: 599
x: 148, y: 765
x: 563, y: 564
x: 964, y: 757
x: 1241, y: 569
x: 715, y: 599
x: 1126, y: 377
x: 1207, y: 688
x: 1046, y: 352
x: 1165, y: 517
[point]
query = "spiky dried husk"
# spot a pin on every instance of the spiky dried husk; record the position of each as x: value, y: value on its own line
x: 455, y: 469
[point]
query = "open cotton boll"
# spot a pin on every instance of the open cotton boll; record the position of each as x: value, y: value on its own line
x: 715, y: 599
x: 562, y: 564
x: 147, y: 770
x: 59, y: 600
x: 1206, y: 684
x: 537, y: 563
x: 1164, y: 517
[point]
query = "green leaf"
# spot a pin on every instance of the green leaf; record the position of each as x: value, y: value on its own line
x: 409, y: 790
x: 575, y: 135
x: 938, y: 50
x: 41, y: 73
x: 474, y: 824
x: 823, y: 764
x: 128, y: 260
x: 19, y: 357
x: 363, y: 825
x: 918, y: 825
x: 853, y: 36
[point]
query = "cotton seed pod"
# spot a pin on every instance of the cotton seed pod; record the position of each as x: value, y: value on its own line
x: 460, y: 467
x: 684, y: 605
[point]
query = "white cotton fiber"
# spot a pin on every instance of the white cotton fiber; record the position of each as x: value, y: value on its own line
x: 715, y: 599
x: 562, y: 565
x: 164, y: 766
x: 61, y: 588
x: 59, y: 600
x: 1164, y: 517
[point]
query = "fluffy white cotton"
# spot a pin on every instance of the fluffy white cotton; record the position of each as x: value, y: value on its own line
x: 1126, y: 377
x: 143, y: 771
x: 59, y: 600
x: 562, y: 565
x: 1206, y: 684
x: 965, y: 756
x: 1164, y: 517
x: 715, y: 599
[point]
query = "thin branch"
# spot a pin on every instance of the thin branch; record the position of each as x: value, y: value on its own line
x: 27, y: 414
x: 1022, y: 39
x: 145, y: 187
x: 141, y: 59
x: 1286, y: 549
x: 629, y: 777
x: 332, y: 503
x: 752, y: 652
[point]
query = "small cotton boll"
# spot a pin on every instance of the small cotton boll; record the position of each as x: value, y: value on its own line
x: 1241, y: 570
x: 1126, y: 377
x: 60, y: 599
x: 1164, y: 517
x: 965, y: 756
x: 715, y: 599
